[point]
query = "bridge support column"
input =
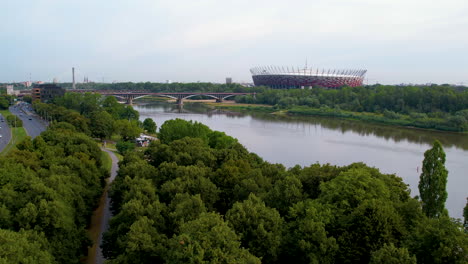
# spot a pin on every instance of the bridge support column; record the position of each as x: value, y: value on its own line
x: 179, y: 101
x: 129, y: 100
x: 219, y: 100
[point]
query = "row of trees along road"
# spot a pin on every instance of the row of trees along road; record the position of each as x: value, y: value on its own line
x: 49, y: 187
x: 198, y: 196
x: 96, y: 116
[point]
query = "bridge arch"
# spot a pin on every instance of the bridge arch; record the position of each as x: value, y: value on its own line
x: 208, y: 95
x: 155, y: 95
x: 227, y: 96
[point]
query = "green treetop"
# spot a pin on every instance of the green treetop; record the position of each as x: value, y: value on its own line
x: 433, y: 181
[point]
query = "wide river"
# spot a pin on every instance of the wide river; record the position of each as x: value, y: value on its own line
x: 307, y: 140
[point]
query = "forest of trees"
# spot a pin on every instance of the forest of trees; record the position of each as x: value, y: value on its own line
x: 198, y: 196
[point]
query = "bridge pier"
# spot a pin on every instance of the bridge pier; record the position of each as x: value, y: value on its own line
x: 129, y: 100
x: 179, y: 101
x: 219, y: 100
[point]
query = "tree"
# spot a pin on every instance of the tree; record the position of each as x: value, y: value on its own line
x: 220, y: 140
x: 23, y: 247
x: 208, y: 239
x: 438, y: 240
x: 260, y: 227
x: 14, y: 121
x: 149, y: 125
x: 124, y: 146
x: 306, y: 239
x: 102, y: 124
x: 129, y: 130
x: 389, y: 254
x: 177, y: 129
x: 433, y: 181
x: 4, y: 104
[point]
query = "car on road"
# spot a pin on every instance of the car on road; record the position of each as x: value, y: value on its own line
x: 30, y: 118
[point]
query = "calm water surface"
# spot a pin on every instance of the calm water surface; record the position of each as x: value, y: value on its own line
x: 307, y: 140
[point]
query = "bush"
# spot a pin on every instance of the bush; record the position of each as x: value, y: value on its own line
x: 391, y: 114
x: 125, y: 146
x: 14, y: 121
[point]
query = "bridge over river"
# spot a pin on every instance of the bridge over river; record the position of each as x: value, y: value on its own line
x: 129, y: 96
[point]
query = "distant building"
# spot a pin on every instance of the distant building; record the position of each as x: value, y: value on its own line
x: 46, y: 92
x: 228, y: 80
x: 287, y: 78
x: 10, y: 91
x: 144, y: 140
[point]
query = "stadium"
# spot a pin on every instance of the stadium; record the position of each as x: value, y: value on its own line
x: 286, y: 78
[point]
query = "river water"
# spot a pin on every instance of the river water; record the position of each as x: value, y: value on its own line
x: 307, y: 140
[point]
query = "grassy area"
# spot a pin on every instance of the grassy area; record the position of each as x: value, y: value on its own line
x: 147, y: 99
x: 106, y: 161
x: 18, y: 134
x: 111, y: 145
x: 243, y: 107
x: 119, y: 157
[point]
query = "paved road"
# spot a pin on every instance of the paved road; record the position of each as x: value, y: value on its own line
x: 107, y: 214
x: 33, y: 124
x: 5, y: 133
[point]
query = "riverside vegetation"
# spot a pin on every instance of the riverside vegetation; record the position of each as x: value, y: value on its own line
x: 439, y: 107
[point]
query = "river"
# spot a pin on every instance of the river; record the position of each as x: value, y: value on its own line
x: 307, y: 140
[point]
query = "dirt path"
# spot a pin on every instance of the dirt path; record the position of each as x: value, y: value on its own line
x: 101, y: 217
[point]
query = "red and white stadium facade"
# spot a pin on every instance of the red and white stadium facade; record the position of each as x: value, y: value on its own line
x: 285, y: 78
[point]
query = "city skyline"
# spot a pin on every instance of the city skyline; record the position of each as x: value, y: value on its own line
x: 207, y: 41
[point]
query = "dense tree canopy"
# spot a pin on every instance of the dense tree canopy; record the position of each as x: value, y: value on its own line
x: 149, y: 125
x: 189, y: 200
x: 48, y: 189
x: 92, y: 114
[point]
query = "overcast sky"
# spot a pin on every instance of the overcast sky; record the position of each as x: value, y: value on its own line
x: 397, y: 41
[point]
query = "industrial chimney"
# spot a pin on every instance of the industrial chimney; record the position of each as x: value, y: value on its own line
x: 73, y: 74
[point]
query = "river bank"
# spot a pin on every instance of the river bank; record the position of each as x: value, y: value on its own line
x: 386, y: 118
